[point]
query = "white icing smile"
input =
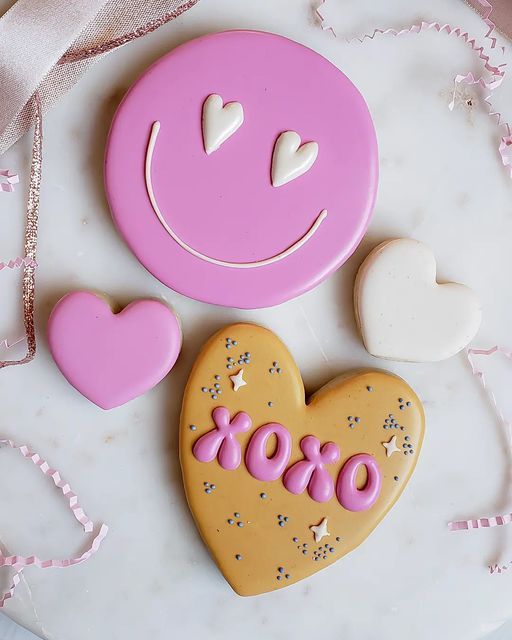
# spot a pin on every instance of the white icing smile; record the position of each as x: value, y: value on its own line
x: 223, y: 263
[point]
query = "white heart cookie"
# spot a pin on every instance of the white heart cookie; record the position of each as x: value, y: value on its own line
x: 290, y: 159
x: 220, y: 121
x: 403, y: 313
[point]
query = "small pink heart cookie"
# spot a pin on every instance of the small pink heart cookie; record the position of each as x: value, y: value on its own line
x: 111, y: 358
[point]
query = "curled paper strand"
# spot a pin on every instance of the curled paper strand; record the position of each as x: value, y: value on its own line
x: 18, y: 563
x: 483, y: 381
x: 489, y: 85
x: 18, y: 262
x: 497, y: 568
x: 7, y: 344
x: 9, y: 594
x: 7, y: 185
x: 496, y: 520
x: 480, y: 523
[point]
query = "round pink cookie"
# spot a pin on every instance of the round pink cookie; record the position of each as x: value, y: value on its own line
x: 222, y: 206
x: 112, y: 358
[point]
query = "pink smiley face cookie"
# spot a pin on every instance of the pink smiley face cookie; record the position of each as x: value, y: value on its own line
x: 241, y: 169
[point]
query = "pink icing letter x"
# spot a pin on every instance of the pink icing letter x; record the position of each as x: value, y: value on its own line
x: 311, y: 472
x: 221, y: 441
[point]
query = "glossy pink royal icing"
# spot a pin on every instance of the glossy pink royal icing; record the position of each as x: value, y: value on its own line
x: 112, y: 358
x: 221, y: 442
x: 259, y: 465
x: 349, y: 496
x: 223, y: 205
x: 309, y: 473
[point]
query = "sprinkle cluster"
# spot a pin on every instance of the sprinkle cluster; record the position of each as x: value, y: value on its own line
x: 321, y: 552
x: 230, y: 343
x: 282, y: 572
x: 352, y: 419
x: 208, y: 488
x: 236, y: 515
x: 275, y: 368
x: 408, y: 446
x: 302, y: 547
x: 402, y: 404
x: 282, y: 520
x: 391, y: 423
x: 243, y: 358
x: 214, y: 390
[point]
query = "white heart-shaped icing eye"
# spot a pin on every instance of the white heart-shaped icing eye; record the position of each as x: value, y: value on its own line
x: 220, y: 121
x: 290, y: 159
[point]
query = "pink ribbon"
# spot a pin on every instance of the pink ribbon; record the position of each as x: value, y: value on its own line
x: 18, y: 563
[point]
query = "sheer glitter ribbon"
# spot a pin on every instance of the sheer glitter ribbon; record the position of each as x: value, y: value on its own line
x: 111, y: 28
x: 31, y: 225
x: 19, y: 563
x: 113, y: 23
x: 489, y: 85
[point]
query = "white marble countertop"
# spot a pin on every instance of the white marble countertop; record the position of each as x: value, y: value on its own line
x: 441, y: 182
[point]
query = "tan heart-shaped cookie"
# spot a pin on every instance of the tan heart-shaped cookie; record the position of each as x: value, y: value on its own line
x: 281, y: 488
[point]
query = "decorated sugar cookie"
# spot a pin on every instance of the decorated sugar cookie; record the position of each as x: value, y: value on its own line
x: 403, y: 313
x: 112, y: 358
x: 241, y: 169
x: 280, y: 487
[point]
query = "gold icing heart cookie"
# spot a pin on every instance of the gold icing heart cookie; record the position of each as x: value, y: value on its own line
x: 281, y: 488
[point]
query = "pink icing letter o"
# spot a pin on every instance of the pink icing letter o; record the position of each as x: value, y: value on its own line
x: 349, y: 496
x: 221, y: 442
x: 258, y: 464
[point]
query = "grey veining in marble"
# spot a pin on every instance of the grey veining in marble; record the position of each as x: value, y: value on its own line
x: 441, y: 182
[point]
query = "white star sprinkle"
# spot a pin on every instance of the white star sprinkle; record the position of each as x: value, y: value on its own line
x: 390, y: 446
x: 238, y: 380
x: 320, y: 530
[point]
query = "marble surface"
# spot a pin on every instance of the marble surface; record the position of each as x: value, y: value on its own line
x: 442, y: 183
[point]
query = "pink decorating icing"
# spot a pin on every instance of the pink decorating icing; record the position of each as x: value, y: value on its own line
x: 211, y: 202
x: 221, y: 442
x: 311, y: 471
x: 112, y: 358
x: 258, y: 464
x: 349, y: 496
